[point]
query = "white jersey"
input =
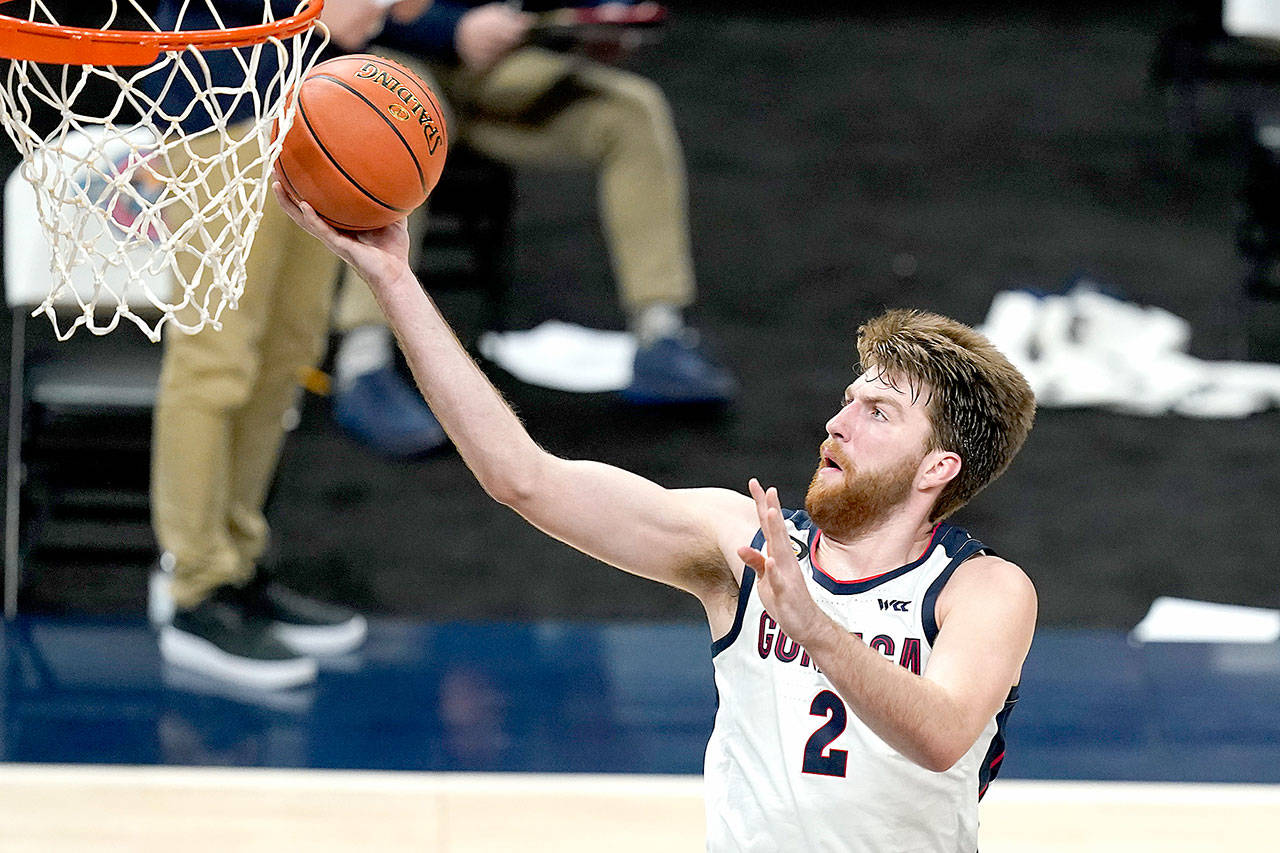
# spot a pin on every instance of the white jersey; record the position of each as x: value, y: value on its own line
x: 789, y: 768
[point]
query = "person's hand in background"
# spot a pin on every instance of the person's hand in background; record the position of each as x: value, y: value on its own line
x: 488, y: 33
x: 404, y: 11
x: 353, y: 23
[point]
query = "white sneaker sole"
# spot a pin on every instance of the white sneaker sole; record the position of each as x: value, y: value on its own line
x: 191, y: 652
x: 323, y: 641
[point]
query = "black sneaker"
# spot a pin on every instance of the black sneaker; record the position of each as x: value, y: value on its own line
x: 223, y: 638
x: 306, y: 626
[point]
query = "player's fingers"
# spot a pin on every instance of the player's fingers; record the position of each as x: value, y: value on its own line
x: 775, y: 529
x: 286, y: 200
x: 757, y: 494
x: 310, y: 221
x: 773, y: 511
x: 769, y: 565
x: 298, y: 210
x: 769, y: 512
x: 752, y: 558
x: 775, y: 532
x: 771, y: 497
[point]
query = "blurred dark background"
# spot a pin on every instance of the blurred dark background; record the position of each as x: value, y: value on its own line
x: 840, y: 162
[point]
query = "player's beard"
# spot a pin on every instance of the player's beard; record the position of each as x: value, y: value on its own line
x: 860, y: 500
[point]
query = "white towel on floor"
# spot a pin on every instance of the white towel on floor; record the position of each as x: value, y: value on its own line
x: 564, y: 356
x: 1085, y: 348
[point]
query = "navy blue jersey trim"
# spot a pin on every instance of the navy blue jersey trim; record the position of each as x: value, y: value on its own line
x: 798, y: 517
x: 991, y: 764
x: 744, y: 593
x: 941, y: 536
x: 966, y: 547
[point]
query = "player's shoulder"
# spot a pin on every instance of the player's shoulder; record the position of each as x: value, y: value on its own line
x: 986, y: 574
x: 992, y: 590
x: 987, y: 568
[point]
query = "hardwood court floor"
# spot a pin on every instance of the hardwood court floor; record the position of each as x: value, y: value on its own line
x: 54, y: 808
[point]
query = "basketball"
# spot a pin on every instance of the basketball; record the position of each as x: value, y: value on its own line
x: 367, y: 144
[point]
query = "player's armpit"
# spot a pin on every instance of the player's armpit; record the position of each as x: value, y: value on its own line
x: 708, y: 572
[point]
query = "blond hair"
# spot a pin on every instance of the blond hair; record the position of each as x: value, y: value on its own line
x: 980, y: 405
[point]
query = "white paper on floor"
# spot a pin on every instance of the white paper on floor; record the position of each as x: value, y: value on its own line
x: 1085, y: 348
x: 564, y: 356
x: 1181, y: 620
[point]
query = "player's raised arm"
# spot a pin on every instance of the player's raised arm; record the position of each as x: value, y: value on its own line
x: 678, y: 537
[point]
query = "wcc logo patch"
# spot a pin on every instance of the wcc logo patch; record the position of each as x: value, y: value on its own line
x: 896, y: 606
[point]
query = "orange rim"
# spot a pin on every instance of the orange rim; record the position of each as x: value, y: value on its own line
x: 60, y: 45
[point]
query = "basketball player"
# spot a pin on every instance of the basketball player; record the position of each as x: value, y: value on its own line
x: 867, y: 653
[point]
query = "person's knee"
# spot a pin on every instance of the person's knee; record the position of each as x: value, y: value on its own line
x: 210, y: 379
x: 219, y: 390
x: 300, y: 339
x: 641, y: 105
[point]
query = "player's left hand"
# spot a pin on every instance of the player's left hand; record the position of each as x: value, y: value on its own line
x: 778, y: 574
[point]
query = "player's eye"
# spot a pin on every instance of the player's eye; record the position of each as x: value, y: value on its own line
x: 878, y: 414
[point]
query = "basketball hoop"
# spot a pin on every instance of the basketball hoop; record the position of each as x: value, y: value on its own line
x: 140, y: 213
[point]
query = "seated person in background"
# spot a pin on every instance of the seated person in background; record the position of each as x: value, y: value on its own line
x: 527, y: 106
x: 219, y: 415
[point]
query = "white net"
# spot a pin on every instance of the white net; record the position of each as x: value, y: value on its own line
x: 149, y: 181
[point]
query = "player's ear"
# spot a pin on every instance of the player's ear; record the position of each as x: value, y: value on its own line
x: 938, y: 468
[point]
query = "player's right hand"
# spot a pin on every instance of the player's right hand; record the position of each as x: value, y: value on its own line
x: 380, y: 256
x: 487, y: 33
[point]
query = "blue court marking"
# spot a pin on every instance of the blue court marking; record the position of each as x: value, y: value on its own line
x: 595, y: 698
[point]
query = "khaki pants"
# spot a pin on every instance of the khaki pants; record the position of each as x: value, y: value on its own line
x: 540, y: 108
x: 218, y: 425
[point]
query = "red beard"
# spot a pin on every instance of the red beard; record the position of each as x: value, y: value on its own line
x: 860, y: 501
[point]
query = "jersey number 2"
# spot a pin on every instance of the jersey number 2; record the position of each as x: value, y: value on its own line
x: 826, y: 704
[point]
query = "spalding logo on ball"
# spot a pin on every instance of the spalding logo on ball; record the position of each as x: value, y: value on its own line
x: 367, y: 145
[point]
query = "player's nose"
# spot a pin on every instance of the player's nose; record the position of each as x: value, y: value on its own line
x: 837, y: 426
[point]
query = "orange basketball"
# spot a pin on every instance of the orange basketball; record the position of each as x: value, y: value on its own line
x: 367, y: 145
